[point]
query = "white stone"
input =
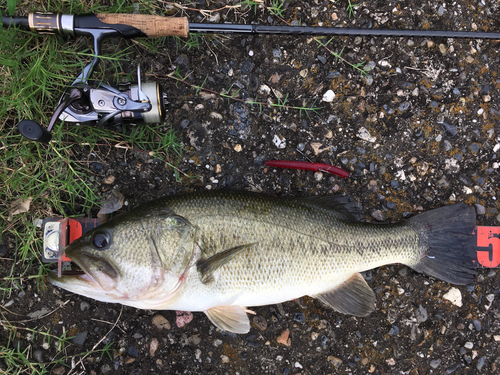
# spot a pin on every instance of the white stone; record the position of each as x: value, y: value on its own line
x: 264, y: 90
x: 364, y: 134
x: 454, y: 296
x: 279, y: 141
x: 216, y: 115
x: 328, y: 96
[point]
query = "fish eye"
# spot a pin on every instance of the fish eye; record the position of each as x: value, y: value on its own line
x: 101, y: 240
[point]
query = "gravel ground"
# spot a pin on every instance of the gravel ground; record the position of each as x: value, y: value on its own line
x: 420, y: 130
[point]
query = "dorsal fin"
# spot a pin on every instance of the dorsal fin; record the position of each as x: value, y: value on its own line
x: 207, y: 267
x: 346, y: 207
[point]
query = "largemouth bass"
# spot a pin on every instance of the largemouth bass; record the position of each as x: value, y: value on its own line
x: 220, y: 252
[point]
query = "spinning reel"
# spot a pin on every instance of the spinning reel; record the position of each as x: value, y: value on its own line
x: 91, y: 102
x: 88, y: 102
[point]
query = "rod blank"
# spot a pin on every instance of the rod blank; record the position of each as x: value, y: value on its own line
x: 336, y: 31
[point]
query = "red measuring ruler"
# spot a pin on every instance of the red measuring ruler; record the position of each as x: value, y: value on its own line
x: 485, y: 245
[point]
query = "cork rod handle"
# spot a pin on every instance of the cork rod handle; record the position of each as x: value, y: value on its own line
x: 152, y: 26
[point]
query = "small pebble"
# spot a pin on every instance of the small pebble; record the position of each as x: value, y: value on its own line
x: 238, y: 148
x: 183, y: 318
x: 480, y: 210
x: 421, y: 314
x: 153, y: 346
x: 84, y: 306
x: 328, y: 96
x: 284, y: 338
x: 278, y: 141
x: 468, y: 345
x: 109, y: 180
x: 378, y: 215
x: 394, y: 331
x: 38, y: 355
x: 474, y: 147
x: 336, y: 362
x: 79, y: 339
x: 260, y: 322
x: 480, y: 363
x: 161, y: 322
x: 454, y: 296
x: 477, y: 324
x: 132, y: 351
x: 448, y: 129
x: 435, y: 363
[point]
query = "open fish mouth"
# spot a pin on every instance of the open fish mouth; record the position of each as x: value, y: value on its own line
x: 72, y: 273
x: 88, y: 271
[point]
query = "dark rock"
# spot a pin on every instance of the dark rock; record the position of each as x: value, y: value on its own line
x: 38, y: 355
x: 421, y: 314
x: 322, y: 59
x: 474, y: 147
x: 452, y: 369
x: 477, y: 324
x: 84, y: 306
x: 480, y: 363
x: 253, y: 84
x: 184, y: 123
x: 435, y: 363
x: 394, y: 331
x: 448, y: 129
x: 299, y: 317
x: 97, y: 167
x: 182, y: 61
x: 247, y: 67
x: 404, y: 106
x: 80, y: 338
x: 132, y: 351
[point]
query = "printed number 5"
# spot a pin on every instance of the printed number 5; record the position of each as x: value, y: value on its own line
x: 488, y: 237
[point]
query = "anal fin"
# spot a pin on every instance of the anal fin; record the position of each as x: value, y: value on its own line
x: 353, y: 297
x: 229, y: 318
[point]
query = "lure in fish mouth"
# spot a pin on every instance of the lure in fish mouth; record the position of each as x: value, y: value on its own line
x: 221, y: 251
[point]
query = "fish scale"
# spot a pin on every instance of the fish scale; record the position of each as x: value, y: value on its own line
x: 221, y: 251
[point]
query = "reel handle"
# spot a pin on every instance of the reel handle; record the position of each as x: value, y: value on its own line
x: 33, y: 131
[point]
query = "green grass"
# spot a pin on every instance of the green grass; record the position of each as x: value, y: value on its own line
x: 34, y: 72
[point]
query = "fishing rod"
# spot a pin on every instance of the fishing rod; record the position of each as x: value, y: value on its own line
x: 89, y: 102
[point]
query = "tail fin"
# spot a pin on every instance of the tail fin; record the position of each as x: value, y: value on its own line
x: 445, y: 233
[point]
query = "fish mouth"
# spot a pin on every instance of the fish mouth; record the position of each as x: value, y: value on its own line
x: 90, y: 274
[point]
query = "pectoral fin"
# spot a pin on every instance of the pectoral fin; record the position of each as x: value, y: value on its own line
x: 207, y: 267
x: 353, y: 297
x: 229, y: 318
